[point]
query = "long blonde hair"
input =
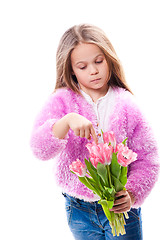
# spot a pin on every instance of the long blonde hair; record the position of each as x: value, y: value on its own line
x: 86, y: 33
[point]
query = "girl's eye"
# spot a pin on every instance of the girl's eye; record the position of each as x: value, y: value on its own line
x: 99, y: 61
x: 82, y: 67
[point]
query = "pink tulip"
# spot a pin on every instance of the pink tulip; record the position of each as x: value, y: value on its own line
x: 100, y: 153
x: 78, y: 168
x: 109, y: 137
x: 125, y: 156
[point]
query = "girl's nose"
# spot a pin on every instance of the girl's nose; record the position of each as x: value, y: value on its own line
x: 93, y: 70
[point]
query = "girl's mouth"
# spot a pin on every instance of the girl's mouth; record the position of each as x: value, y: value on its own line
x: 96, y: 80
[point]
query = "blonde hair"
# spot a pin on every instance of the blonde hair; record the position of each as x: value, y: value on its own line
x: 85, y: 33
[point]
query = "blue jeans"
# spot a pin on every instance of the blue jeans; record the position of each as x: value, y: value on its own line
x: 87, y: 221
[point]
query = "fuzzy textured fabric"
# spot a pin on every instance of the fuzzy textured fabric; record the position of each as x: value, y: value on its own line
x: 126, y: 120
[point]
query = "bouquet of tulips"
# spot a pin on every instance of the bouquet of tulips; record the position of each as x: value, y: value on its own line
x: 105, y: 173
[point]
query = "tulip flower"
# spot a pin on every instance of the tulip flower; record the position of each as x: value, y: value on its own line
x: 125, y: 155
x: 78, y: 168
x: 109, y: 138
x: 100, y: 153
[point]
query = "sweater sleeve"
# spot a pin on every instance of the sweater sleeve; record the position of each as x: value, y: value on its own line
x: 143, y: 173
x: 43, y: 143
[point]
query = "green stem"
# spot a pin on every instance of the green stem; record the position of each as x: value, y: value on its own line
x: 89, y: 174
x: 108, y: 169
x: 109, y: 176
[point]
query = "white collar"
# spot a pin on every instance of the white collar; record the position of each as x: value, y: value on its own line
x: 89, y: 99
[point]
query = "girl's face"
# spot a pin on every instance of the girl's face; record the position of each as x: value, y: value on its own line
x: 90, y: 67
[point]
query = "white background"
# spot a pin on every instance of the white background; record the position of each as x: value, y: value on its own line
x: 31, y: 206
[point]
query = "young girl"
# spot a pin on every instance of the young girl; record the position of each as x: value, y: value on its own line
x: 91, y: 94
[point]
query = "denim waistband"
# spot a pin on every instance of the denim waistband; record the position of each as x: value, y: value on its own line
x: 82, y: 202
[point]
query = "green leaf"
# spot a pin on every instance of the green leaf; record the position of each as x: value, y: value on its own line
x: 96, y: 187
x: 91, y: 185
x: 124, y: 142
x: 106, y: 194
x: 105, y: 207
x: 110, y: 190
x: 117, y: 184
x: 109, y: 193
x: 102, y: 132
x: 92, y: 170
x: 91, y: 180
x: 123, y: 176
x: 92, y: 166
x: 86, y: 183
x: 115, y: 167
x: 110, y: 204
x: 102, y: 172
x: 100, y: 183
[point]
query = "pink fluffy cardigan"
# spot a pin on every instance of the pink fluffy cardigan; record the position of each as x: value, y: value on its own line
x: 126, y: 121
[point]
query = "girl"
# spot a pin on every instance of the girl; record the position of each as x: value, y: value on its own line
x: 91, y: 94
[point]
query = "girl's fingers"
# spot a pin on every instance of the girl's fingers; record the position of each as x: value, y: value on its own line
x: 77, y: 132
x: 123, y: 203
x: 121, y: 193
x: 121, y: 207
x: 87, y: 134
x: 82, y: 133
x: 94, y: 136
x: 121, y: 210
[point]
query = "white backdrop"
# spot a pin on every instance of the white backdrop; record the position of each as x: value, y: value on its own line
x: 31, y: 206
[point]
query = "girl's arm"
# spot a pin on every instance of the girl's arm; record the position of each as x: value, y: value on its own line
x: 43, y: 142
x: 143, y: 173
x: 80, y: 125
x: 129, y: 121
x: 49, y: 136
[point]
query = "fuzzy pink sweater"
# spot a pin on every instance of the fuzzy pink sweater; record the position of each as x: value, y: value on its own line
x: 126, y: 121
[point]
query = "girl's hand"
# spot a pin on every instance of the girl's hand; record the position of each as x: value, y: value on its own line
x: 81, y: 126
x: 124, y: 202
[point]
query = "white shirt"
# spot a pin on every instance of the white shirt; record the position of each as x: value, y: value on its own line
x: 103, y: 109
